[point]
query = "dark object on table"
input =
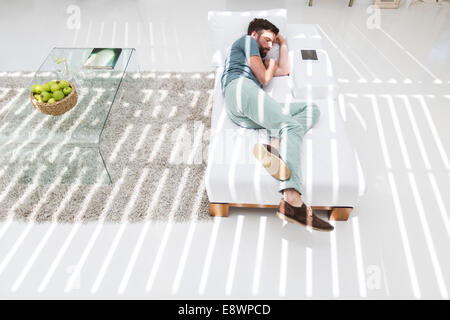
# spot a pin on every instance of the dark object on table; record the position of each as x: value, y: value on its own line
x: 103, y: 58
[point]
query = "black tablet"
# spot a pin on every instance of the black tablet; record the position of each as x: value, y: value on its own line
x: 309, y: 55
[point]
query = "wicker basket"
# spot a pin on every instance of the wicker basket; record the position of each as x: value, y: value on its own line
x: 59, y: 107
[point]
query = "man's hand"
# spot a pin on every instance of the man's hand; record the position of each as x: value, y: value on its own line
x: 280, y: 39
x: 283, y: 68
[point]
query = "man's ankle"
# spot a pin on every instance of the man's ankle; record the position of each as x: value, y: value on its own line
x: 292, y: 197
x: 294, y: 203
x: 275, y: 143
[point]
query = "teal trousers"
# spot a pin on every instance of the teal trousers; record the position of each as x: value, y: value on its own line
x: 250, y: 107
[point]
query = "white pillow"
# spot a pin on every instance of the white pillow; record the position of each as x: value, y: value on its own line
x: 227, y: 26
x: 273, y: 53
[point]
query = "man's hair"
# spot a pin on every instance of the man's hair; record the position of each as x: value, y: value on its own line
x: 261, y: 24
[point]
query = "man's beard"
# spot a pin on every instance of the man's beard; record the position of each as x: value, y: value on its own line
x: 262, y: 52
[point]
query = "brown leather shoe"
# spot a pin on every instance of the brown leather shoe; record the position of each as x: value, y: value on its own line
x: 303, y: 215
x: 272, y: 161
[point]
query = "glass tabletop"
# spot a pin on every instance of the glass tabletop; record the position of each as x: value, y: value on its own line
x: 28, y: 136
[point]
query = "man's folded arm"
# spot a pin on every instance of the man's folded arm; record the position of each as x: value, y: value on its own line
x: 263, y: 74
x: 283, y: 60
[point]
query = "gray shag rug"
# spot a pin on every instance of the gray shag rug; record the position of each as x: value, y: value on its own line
x: 154, y: 144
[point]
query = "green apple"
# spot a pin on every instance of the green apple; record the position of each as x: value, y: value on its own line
x: 55, y: 87
x: 63, y: 84
x: 45, y: 87
x: 50, y: 83
x: 58, y: 95
x: 67, y: 90
x: 51, y: 100
x: 45, y: 96
x: 38, y: 88
x: 34, y: 88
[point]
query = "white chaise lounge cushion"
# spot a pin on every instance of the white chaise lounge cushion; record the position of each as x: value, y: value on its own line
x: 313, y: 78
x: 329, y: 163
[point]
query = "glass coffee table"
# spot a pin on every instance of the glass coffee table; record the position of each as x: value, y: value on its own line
x: 44, y: 149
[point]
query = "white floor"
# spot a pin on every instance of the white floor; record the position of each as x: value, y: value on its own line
x: 395, y: 99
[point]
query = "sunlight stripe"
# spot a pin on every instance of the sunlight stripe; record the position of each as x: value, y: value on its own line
x: 404, y: 236
x: 411, y: 56
x: 434, y: 132
x: 380, y: 52
x: 234, y: 255
x: 359, y: 258
x: 379, y: 125
x: 440, y: 202
x: 429, y: 241
x: 120, y: 142
x: 283, y: 267
x: 416, y: 132
x: 309, y: 272
x: 398, y: 131
x: 189, y: 237
x: 361, y: 78
x: 259, y: 255
x: 209, y: 254
x: 334, y: 264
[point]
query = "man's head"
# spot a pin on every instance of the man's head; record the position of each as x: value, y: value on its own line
x: 264, y: 33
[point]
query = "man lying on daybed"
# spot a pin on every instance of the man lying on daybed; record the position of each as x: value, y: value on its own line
x: 249, y: 106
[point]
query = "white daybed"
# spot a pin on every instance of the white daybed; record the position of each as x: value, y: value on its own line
x: 332, y: 177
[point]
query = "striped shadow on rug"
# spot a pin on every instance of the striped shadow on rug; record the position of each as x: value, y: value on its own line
x: 154, y: 144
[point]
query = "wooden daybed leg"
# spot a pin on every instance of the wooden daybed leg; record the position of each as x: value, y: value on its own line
x: 340, y: 213
x: 218, y: 209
